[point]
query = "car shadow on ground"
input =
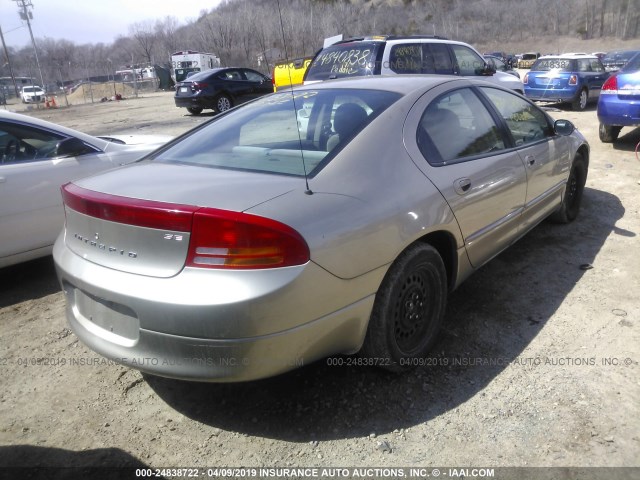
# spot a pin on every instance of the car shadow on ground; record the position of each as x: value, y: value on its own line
x: 481, y: 323
x: 30, y: 462
x: 628, y: 139
x: 39, y: 275
x: 565, y: 107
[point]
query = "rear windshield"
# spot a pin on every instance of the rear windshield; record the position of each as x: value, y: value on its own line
x: 619, y: 57
x: 559, y: 64
x: 632, y: 65
x: 344, y: 60
x: 283, y: 133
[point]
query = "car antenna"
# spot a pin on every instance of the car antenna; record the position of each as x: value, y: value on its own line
x: 293, y: 97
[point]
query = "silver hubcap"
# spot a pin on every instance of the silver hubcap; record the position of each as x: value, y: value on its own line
x: 224, y: 104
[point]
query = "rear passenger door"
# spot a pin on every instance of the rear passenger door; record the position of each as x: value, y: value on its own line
x: 456, y: 141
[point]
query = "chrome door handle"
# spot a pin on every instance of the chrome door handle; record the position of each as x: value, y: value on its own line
x: 529, y: 160
x: 462, y: 185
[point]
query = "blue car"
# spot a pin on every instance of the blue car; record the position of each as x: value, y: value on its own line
x: 571, y: 78
x: 619, y: 104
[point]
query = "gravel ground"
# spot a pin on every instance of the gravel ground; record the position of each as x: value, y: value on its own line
x: 537, y: 364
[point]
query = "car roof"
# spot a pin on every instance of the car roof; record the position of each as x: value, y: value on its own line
x: 570, y: 56
x: 403, y: 84
x: 395, y: 39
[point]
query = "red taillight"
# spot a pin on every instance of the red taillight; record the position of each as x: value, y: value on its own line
x: 611, y: 85
x: 526, y: 79
x: 198, y: 86
x: 224, y: 239
x: 219, y: 238
x: 573, y: 80
x: 131, y: 211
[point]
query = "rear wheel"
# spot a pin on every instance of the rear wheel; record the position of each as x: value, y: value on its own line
x: 580, y: 102
x: 572, y: 198
x: 608, y: 133
x: 408, y: 310
x: 194, y: 110
x: 223, y: 103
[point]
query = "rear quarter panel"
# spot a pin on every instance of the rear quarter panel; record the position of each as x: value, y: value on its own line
x: 367, y: 205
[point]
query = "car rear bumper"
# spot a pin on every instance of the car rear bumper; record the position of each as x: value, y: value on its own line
x: 195, y: 102
x: 184, y: 327
x: 618, y: 112
x: 550, y: 95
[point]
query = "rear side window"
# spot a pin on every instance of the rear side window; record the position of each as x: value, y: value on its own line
x: 584, y: 65
x: 344, y: 60
x: 456, y: 126
x: 408, y: 58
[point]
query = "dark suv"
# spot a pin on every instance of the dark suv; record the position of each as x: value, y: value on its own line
x: 220, y: 89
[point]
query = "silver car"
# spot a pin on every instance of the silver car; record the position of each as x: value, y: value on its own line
x: 36, y: 159
x: 257, y: 243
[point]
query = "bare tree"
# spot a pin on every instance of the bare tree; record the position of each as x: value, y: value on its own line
x: 145, y: 36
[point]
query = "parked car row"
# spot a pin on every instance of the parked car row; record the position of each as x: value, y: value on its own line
x: 579, y: 79
x: 274, y: 235
x: 221, y: 89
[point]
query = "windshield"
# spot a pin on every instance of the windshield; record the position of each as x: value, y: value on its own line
x: 560, y: 64
x: 344, y: 60
x: 283, y: 133
x: 31, y: 89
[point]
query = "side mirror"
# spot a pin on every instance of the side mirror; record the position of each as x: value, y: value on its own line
x: 563, y: 127
x: 488, y: 70
x: 71, y: 147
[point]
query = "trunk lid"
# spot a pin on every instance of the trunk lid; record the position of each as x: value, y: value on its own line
x: 138, y: 219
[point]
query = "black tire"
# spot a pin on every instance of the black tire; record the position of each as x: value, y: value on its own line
x: 608, y: 133
x: 572, y: 198
x: 223, y: 103
x: 194, y: 110
x: 408, y: 310
x: 581, y: 101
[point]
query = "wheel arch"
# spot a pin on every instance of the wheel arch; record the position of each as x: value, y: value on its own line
x: 583, y: 150
x: 445, y: 244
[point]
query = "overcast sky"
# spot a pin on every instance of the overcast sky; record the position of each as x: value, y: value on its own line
x: 91, y: 21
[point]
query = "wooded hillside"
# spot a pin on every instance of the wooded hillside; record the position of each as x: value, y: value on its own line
x: 257, y: 32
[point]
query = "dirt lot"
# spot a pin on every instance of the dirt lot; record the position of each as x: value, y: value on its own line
x: 537, y: 366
